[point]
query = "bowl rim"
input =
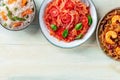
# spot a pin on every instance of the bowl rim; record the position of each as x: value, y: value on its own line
x: 26, y: 26
x: 90, y: 1
x: 97, y: 32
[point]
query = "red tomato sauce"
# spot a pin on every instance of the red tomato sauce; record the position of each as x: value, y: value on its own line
x: 67, y: 20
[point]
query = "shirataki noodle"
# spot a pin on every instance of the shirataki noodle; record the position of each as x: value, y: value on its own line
x: 67, y: 20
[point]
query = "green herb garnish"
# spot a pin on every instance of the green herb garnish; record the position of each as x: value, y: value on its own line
x: 90, y: 20
x: 65, y: 33
x: 78, y: 26
x: 53, y: 27
x: 79, y: 36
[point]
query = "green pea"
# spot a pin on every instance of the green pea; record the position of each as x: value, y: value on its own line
x: 27, y: 16
x: 7, y: 8
x: 5, y: 24
x: 16, y: 9
x: 65, y: 33
x: 54, y: 27
x: 3, y: 4
x: 79, y: 36
x: 78, y: 26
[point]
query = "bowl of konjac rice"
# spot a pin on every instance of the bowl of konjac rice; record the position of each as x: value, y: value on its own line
x: 17, y: 14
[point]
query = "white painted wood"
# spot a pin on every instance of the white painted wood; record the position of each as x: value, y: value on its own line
x: 27, y: 55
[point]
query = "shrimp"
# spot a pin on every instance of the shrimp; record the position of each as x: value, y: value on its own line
x: 115, y: 19
x: 117, y: 50
x: 109, y: 35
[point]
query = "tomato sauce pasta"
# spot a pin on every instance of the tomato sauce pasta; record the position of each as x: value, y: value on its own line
x: 67, y: 20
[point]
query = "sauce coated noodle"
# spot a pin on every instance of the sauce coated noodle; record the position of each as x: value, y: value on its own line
x: 67, y: 20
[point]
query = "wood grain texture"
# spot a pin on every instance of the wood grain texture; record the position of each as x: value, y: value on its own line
x: 27, y: 55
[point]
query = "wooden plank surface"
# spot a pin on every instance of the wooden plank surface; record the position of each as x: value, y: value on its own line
x: 27, y: 55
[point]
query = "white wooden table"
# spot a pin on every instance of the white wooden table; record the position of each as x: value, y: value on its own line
x: 27, y: 55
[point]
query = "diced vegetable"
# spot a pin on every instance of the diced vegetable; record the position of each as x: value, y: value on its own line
x: 24, y: 2
x: 17, y: 24
x: 3, y: 4
x: 10, y: 17
x: 9, y: 14
x: 5, y: 24
x: 19, y: 19
x: 16, y: 9
x: 15, y: 18
x: 11, y: 1
x: 27, y: 16
x: 4, y: 17
x: 27, y: 12
x: 78, y: 26
x: 65, y: 33
x: 54, y: 27
x: 90, y: 20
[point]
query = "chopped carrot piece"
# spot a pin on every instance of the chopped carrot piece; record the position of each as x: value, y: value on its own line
x: 28, y: 11
x: 17, y: 24
x: 23, y: 3
x: 11, y: 1
x: 4, y: 17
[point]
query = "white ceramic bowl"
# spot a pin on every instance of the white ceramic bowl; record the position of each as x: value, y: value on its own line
x: 98, y: 30
x: 63, y: 44
x: 25, y: 26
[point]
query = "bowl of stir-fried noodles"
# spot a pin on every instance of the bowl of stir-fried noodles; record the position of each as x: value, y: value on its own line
x: 108, y: 34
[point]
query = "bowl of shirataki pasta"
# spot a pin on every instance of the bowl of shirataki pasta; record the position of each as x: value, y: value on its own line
x: 108, y: 34
x: 16, y: 14
x: 67, y: 23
